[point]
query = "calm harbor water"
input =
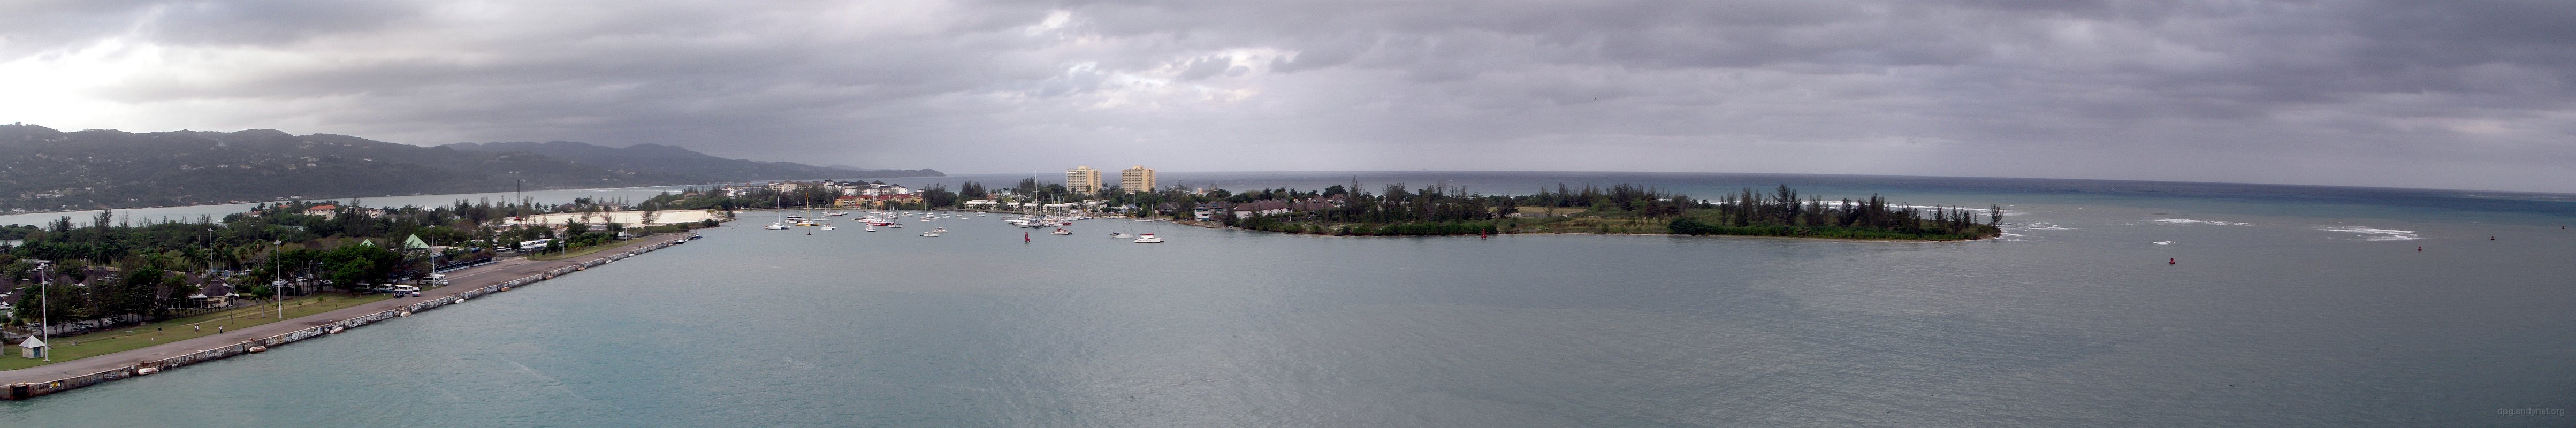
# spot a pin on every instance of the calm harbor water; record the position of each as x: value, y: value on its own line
x: 2290, y: 306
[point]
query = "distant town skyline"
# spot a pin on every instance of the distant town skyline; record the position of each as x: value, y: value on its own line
x: 2470, y: 95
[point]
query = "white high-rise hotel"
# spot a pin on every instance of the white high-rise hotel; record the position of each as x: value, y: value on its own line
x: 1082, y: 180
x: 1136, y: 179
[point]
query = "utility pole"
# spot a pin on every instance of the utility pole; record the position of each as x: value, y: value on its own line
x: 276, y: 286
x: 45, y: 321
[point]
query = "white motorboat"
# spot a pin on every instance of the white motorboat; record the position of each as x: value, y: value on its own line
x: 1120, y: 235
x: 1060, y: 231
x: 775, y: 226
x: 1149, y: 239
x: 929, y: 235
x: 828, y: 227
x: 872, y: 228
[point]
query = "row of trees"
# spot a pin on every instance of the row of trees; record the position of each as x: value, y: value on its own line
x: 1440, y: 210
x: 344, y: 245
x: 1783, y: 208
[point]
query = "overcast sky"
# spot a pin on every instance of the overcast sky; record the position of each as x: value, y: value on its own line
x: 2471, y: 94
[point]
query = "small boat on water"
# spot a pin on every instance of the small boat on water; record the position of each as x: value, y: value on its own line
x: 1060, y: 231
x: 894, y: 224
x: 775, y: 226
x: 828, y: 227
x: 872, y: 228
x: 836, y: 213
x: 1120, y: 235
x: 1149, y: 239
x: 697, y: 236
x: 929, y: 234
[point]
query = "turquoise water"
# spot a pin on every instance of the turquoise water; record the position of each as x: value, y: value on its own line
x: 2289, y: 306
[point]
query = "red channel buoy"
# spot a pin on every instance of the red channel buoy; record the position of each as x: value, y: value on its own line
x: 2419, y: 248
x: 2170, y: 261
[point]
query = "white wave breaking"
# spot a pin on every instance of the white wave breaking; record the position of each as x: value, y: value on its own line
x: 2369, y: 234
x: 2041, y: 226
x: 2190, y: 221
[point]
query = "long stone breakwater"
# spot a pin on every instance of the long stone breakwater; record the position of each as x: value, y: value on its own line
x: 21, y: 391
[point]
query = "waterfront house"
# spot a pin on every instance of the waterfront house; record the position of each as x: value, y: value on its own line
x: 879, y: 200
x: 1260, y: 208
x: 786, y: 186
x: 324, y: 210
x: 874, y: 188
x: 1209, y: 211
x: 212, y: 292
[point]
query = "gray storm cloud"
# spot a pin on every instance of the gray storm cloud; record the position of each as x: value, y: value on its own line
x: 2414, y: 94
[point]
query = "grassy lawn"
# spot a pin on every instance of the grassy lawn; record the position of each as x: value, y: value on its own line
x: 67, y: 348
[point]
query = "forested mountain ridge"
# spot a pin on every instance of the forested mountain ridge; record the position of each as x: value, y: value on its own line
x: 42, y: 169
x: 677, y: 160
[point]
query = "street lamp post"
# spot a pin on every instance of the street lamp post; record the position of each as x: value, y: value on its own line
x: 45, y: 321
x: 278, y: 276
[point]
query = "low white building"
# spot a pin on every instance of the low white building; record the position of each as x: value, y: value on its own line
x: 33, y: 348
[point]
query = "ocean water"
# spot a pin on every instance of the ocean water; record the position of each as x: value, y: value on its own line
x: 2284, y: 306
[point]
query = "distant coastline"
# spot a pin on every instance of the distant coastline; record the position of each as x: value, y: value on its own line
x: 1617, y: 209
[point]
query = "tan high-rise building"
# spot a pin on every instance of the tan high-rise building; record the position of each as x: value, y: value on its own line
x: 1082, y: 180
x: 1136, y: 179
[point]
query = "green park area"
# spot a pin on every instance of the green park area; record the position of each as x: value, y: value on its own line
x: 67, y: 348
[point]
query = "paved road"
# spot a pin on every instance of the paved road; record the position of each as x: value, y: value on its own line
x: 468, y: 279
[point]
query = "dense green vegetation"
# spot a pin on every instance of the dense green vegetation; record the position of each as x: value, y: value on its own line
x: 1623, y: 208
x: 132, y: 266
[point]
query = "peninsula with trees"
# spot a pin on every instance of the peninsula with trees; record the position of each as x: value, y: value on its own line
x: 1401, y: 210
